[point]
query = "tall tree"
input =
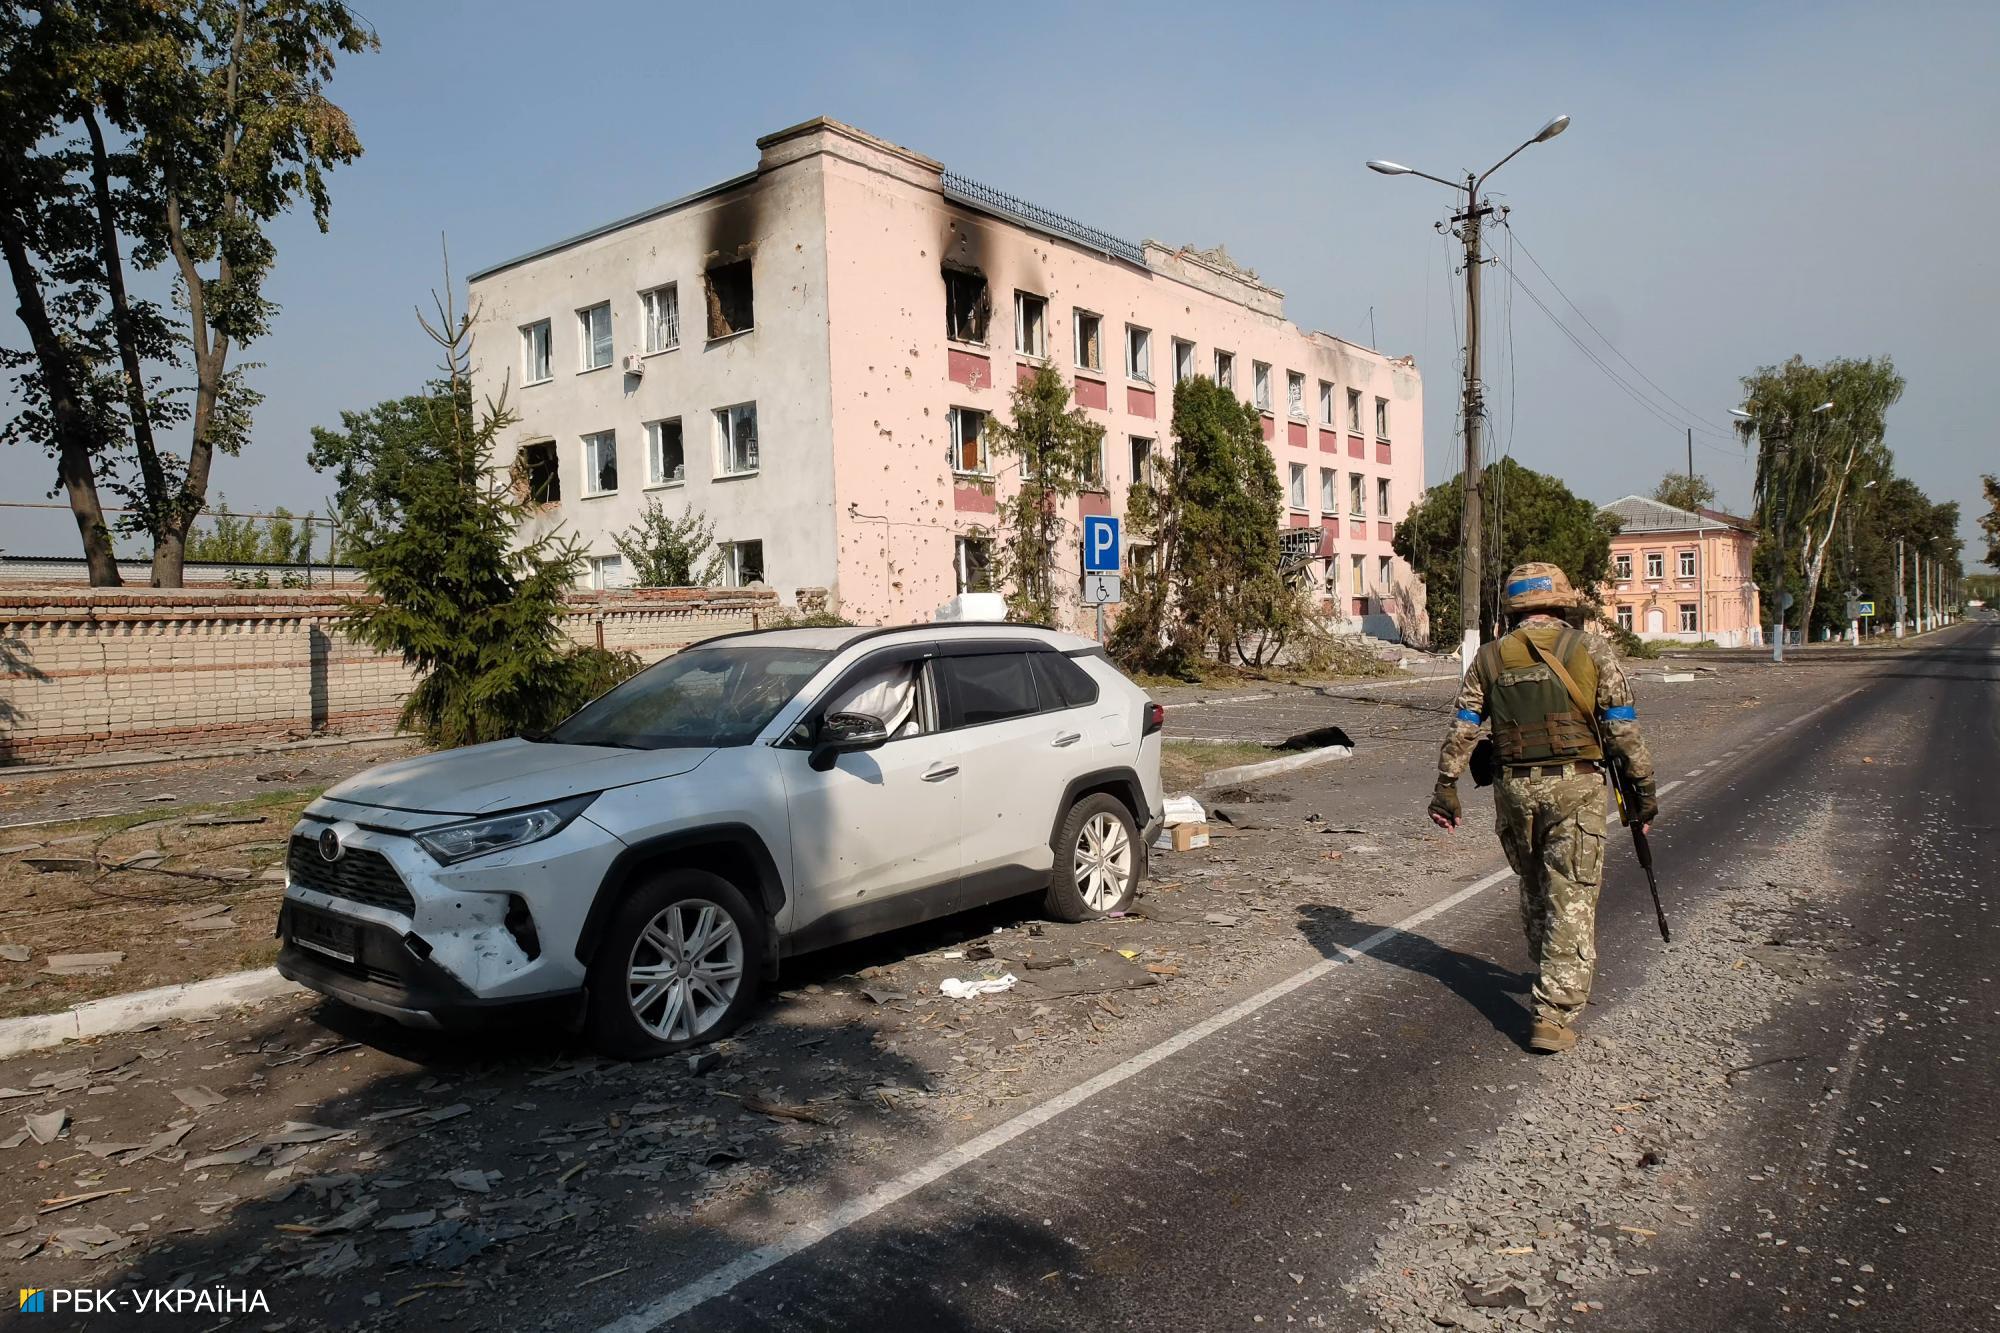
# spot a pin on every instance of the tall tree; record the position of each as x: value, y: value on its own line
x: 1989, y: 522
x: 1540, y: 519
x: 176, y: 132
x: 1684, y: 490
x: 1208, y: 583
x: 1810, y: 462
x: 1059, y: 451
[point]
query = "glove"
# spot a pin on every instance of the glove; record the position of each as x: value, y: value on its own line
x: 1649, y: 804
x: 1444, y: 801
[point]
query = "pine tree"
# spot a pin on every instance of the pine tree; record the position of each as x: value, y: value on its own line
x: 478, y: 617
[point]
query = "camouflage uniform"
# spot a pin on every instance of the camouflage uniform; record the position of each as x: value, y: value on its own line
x: 1552, y: 826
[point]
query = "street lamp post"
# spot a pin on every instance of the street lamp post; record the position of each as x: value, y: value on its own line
x: 1470, y: 218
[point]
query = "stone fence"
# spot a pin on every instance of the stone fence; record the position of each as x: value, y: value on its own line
x: 113, y: 669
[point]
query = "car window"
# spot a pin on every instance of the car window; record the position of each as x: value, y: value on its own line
x: 700, y: 697
x: 894, y: 693
x: 990, y: 687
x: 1063, y: 683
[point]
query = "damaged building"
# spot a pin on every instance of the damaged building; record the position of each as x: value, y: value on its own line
x: 856, y: 315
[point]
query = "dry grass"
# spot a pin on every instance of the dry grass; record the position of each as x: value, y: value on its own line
x: 1182, y: 763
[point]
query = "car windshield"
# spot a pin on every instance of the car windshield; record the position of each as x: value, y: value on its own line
x: 701, y: 697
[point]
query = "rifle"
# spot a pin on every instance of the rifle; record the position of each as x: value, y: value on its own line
x: 1623, y: 788
x: 1627, y: 794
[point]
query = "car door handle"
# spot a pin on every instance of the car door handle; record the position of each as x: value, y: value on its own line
x: 940, y: 774
x: 1067, y: 738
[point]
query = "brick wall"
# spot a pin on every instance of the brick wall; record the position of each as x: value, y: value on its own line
x: 142, y: 669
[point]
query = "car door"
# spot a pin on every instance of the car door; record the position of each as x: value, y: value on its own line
x: 873, y: 825
x: 1017, y: 753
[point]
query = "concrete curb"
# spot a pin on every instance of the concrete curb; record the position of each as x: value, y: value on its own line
x: 1271, y: 767
x: 142, y: 758
x: 123, y: 1013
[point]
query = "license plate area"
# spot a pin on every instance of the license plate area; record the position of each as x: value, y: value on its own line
x: 325, y: 934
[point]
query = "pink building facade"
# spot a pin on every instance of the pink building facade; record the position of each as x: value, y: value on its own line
x: 811, y: 355
x: 1682, y: 575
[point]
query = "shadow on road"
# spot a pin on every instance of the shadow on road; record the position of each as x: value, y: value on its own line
x: 1485, y: 985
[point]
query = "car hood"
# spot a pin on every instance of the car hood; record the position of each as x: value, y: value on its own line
x: 506, y: 775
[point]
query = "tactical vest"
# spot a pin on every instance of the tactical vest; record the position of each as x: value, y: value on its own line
x: 1534, y: 721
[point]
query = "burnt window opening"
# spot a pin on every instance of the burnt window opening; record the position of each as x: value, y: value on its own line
x: 536, y: 475
x: 968, y: 308
x: 731, y: 308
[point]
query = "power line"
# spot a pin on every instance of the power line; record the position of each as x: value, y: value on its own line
x: 1697, y: 417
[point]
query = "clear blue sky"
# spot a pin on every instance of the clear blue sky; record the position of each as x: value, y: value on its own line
x: 1740, y: 183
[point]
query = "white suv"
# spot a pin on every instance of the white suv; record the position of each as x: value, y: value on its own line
x: 652, y: 859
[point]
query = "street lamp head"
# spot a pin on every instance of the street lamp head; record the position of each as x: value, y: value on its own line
x: 1552, y: 129
x: 1390, y: 168
x: 1740, y: 414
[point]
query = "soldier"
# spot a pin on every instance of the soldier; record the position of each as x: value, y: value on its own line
x: 1549, y: 792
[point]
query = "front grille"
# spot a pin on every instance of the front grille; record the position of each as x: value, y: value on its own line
x: 360, y: 876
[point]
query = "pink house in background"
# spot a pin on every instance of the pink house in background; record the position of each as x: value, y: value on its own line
x: 1682, y: 574
x: 810, y: 354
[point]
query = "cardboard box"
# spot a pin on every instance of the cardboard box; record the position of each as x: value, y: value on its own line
x: 1187, y: 837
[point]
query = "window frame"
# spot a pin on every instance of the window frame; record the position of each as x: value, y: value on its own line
x: 1295, y: 488
x: 952, y: 718
x: 1385, y: 569
x: 1357, y: 496
x: 961, y: 543
x: 548, y: 333
x: 655, y: 459
x: 1656, y: 566
x: 986, y: 296
x: 1077, y: 317
x: 1686, y: 564
x: 732, y: 566
x: 1354, y: 411
x: 596, y: 570
x: 586, y: 339
x: 725, y: 440
x: 1139, y: 353
x: 1041, y: 325
x: 1329, y: 490
x: 1182, y: 374
x: 1326, y: 403
x: 954, y: 424
x: 1142, y: 472
x: 649, y: 317
x: 1381, y: 418
x: 1358, y: 583
x: 593, y: 467
x: 1381, y: 497
x: 1260, y: 385
x: 1690, y: 617
x: 1225, y: 368
x: 1624, y: 618
x: 1295, y: 404
x: 1621, y: 566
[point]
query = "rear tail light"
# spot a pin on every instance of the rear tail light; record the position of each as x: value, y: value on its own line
x: 1156, y: 717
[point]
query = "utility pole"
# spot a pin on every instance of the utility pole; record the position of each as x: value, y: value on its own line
x: 1690, y: 458
x: 1469, y: 531
x: 1470, y: 219
x: 1899, y: 587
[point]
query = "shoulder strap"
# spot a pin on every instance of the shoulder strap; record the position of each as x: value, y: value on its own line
x: 1582, y: 705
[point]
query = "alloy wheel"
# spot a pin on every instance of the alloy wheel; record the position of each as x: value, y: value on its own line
x: 685, y: 970
x: 1103, y: 862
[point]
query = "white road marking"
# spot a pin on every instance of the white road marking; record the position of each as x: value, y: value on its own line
x: 1694, y: 772
x: 1670, y: 786
x: 1711, y: 763
x: 720, y: 1281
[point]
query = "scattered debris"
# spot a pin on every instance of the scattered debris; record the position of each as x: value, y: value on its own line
x: 46, y: 1128
x: 960, y: 989
x: 80, y: 964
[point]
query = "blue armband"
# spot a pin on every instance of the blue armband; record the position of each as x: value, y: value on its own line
x: 1622, y: 713
x: 1470, y: 718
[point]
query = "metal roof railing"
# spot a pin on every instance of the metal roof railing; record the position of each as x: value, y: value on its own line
x: 988, y: 199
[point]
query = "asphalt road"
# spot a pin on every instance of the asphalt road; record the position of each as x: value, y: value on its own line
x: 1251, y: 1175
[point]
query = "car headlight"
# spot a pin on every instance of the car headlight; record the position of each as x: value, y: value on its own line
x: 516, y: 828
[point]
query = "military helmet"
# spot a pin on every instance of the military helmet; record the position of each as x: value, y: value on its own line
x: 1538, y: 585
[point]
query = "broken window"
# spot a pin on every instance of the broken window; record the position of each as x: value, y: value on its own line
x: 967, y: 308
x: 1183, y: 361
x: 663, y: 318
x: 600, y: 463
x: 736, y: 437
x: 1142, y: 461
x: 1354, y: 410
x: 1381, y: 497
x: 593, y: 332
x: 1260, y: 385
x: 1325, y: 403
x: 535, y: 351
x: 1354, y: 504
x: 666, y: 458
x: 1381, y: 418
x: 731, y: 309
x: 1225, y: 368
x: 1031, y: 319
x: 1093, y: 467
x: 742, y: 564
x: 974, y: 562
x: 536, y: 473
x: 1139, y: 353
x: 1089, y: 341
x: 1295, y: 489
x: 1295, y: 394
x: 968, y: 440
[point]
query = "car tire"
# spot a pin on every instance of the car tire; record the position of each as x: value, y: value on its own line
x: 1098, y: 859
x: 684, y: 932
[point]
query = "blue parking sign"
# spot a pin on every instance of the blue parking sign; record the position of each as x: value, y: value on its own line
x: 1100, y: 544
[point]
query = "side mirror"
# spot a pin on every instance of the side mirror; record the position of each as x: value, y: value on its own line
x: 844, y: 733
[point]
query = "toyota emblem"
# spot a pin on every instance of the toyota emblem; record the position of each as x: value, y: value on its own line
x: 329, y: 845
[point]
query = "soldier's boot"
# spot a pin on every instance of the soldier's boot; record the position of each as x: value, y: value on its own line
x: 1550, y: 1038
